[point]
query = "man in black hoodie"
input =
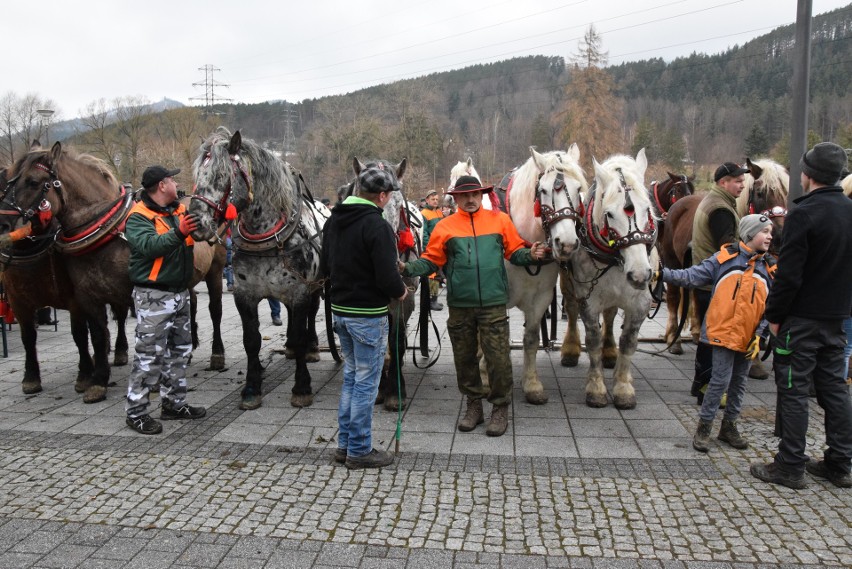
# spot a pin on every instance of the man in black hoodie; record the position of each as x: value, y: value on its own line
x: 359, y: 257
x: 811, y: 297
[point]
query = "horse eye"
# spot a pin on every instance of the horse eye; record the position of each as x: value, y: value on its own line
x: 609, y: 215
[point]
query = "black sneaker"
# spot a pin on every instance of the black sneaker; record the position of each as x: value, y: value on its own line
x: 146, y: 425
x: 376, y: 459
x: 185, y: 411
x: 276, y: 321
x: 774, y: 475
x: 340, y: 456
x: 820, y: 469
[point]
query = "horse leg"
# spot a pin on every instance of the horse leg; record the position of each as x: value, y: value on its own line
x: 86, y: 366
x: 119, y: 354
x: 252, y: 392
x: 97, y: 320
x: 214, y: 291
x: 674, y: 303
x: 694, y: 323
x: 570, y: 350
x: 533, y: 389
x: 623, y: 393
x: 395, y: 393
x: 610, y: 352
x: 31, y: 383
x: 595, y: 387
x: 313, y: 354
x: 302, y: 395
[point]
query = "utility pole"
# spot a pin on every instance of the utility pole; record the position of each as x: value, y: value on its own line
x: 291, y: 117
x: 210, y: 98
x: 801, y: 95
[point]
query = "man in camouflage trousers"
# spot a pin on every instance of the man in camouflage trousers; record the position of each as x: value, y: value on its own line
x: 470, y: 245
x: 161, y: 266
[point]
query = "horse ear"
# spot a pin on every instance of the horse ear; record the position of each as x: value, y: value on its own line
x: 574, y: 152
x: 755, y: 170
x: 400, y: 168
x: 537, y: 158
x: 56, y: 151
x: 235, y: 144
x: 604, y: 178
x: 36, y: 145
x: 356, y: 165
x: 674, y: 177
x: 642, y: 161
x: 470, y: 162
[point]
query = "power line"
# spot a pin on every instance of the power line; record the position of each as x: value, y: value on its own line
x: 210, y: 85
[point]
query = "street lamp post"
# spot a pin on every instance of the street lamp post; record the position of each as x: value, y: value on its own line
x: 45, y: 115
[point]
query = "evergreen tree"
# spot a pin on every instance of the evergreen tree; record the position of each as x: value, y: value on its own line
x: 756, y: 143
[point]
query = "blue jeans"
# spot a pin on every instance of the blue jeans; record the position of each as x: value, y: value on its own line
x: 274, y: 307
x: 363, y: 342
x: 730, y: 374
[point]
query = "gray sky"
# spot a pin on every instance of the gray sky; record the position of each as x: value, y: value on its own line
x: 75, y: 52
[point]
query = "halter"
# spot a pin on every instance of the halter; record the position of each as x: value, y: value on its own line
x: 772, y: 212
x: 606, y: 244
x: 549, y: 215
x: 672, y: 195
x: 40, y: 206
x: 221, y: 207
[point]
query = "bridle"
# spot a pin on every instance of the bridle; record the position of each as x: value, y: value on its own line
x: 220, y: 208
x: 671, y: 194
x: 606, y: 244
x: 550, y: 216
x: 40, y: 207
x: 772, y: 212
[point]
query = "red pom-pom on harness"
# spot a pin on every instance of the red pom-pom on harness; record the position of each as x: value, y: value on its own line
x: 230, y: 212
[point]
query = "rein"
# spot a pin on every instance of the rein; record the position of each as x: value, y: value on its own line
x: 222, y: 206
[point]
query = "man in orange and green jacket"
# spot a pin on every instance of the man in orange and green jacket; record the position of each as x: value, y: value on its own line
x: 471, y: 245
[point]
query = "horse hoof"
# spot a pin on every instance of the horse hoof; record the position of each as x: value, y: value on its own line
x: 596, y: 401
x: 609, y: 363
x: 119, y: 359
x: 31, y: 387
x: 289, y: 353
x: 625, y: 402
x: 312, y: 357
x: 217, y: 362
x: 305, y: 400
x: 392, y: 403
x: 536, y: 397
x: 570, y: 361
x: 250, y: 402
x: 676, y: 349
x: 82, y: 384
x: 94, y: 394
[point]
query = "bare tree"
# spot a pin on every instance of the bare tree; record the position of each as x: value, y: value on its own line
x: 8, y: 126
x: 97, y: 136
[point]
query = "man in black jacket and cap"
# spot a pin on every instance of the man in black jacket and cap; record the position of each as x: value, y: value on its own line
x: 811, y: 297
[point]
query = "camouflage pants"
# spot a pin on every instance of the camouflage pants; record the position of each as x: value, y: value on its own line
x: 163, y: 348
x: 434, y: 287
x: 491, y: 327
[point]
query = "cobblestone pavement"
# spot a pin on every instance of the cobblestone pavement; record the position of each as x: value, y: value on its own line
x: 567, y: 486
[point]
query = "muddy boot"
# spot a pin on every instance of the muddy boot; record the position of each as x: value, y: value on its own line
x: 473, y: 416
x: 729, y: 433
x: 758, y: 370
x: 701, y: 440
x: 499, y: 421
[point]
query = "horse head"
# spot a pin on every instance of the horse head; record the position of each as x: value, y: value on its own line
x: 32, y: 193
x: 545, y: 200
x: 667, y: 192
x: 223, y: 182
x: 766, y: 187
x: 462, y: 169
x: 621, y: 217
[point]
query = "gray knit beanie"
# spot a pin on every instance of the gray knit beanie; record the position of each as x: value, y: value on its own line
x: 824, y: 163
x: 751, y: 225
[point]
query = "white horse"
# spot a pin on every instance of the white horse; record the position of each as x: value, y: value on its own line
x: 544, y: 200
x: 466, y: 169
x: 613, y: 268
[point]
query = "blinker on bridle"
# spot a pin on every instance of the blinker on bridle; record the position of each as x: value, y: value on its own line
x: 40, y: 207
x: 224, y: 210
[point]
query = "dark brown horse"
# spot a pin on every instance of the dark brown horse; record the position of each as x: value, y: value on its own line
x: 79, y: 194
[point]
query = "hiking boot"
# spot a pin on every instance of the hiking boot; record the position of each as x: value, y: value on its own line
x: 473, y: 416
x: 729, y: 433
x: 376, y: 459
x: 701, y: 440
x: 499, y: 421
x: 340, y: 456
x: 435, y: 305
x: 837, y: 477
x: 276, y: 321
x: 185, y: 411
x: 774, y: 475
x: 145, y: 425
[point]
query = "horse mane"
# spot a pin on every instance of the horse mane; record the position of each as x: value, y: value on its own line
x: 775, y: 178
x: 86, y: 160
x: 846, y: 184
x: 272, y: 178
x: 525, y: 180
x: 629, y: 168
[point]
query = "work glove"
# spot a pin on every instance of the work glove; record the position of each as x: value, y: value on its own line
x: 753, y: 349
x: 188, y: 224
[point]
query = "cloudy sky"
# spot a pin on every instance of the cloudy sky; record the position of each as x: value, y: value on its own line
x: 77, y: 52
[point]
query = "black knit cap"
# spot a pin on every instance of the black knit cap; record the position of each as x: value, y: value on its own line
x: 153, y: 175
x: 729, y: 169
x: 469, y: 184
x: 824, y: 163
x: 376, y: 180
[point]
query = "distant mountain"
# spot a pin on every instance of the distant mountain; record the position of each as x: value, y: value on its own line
x: 63, y: 130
